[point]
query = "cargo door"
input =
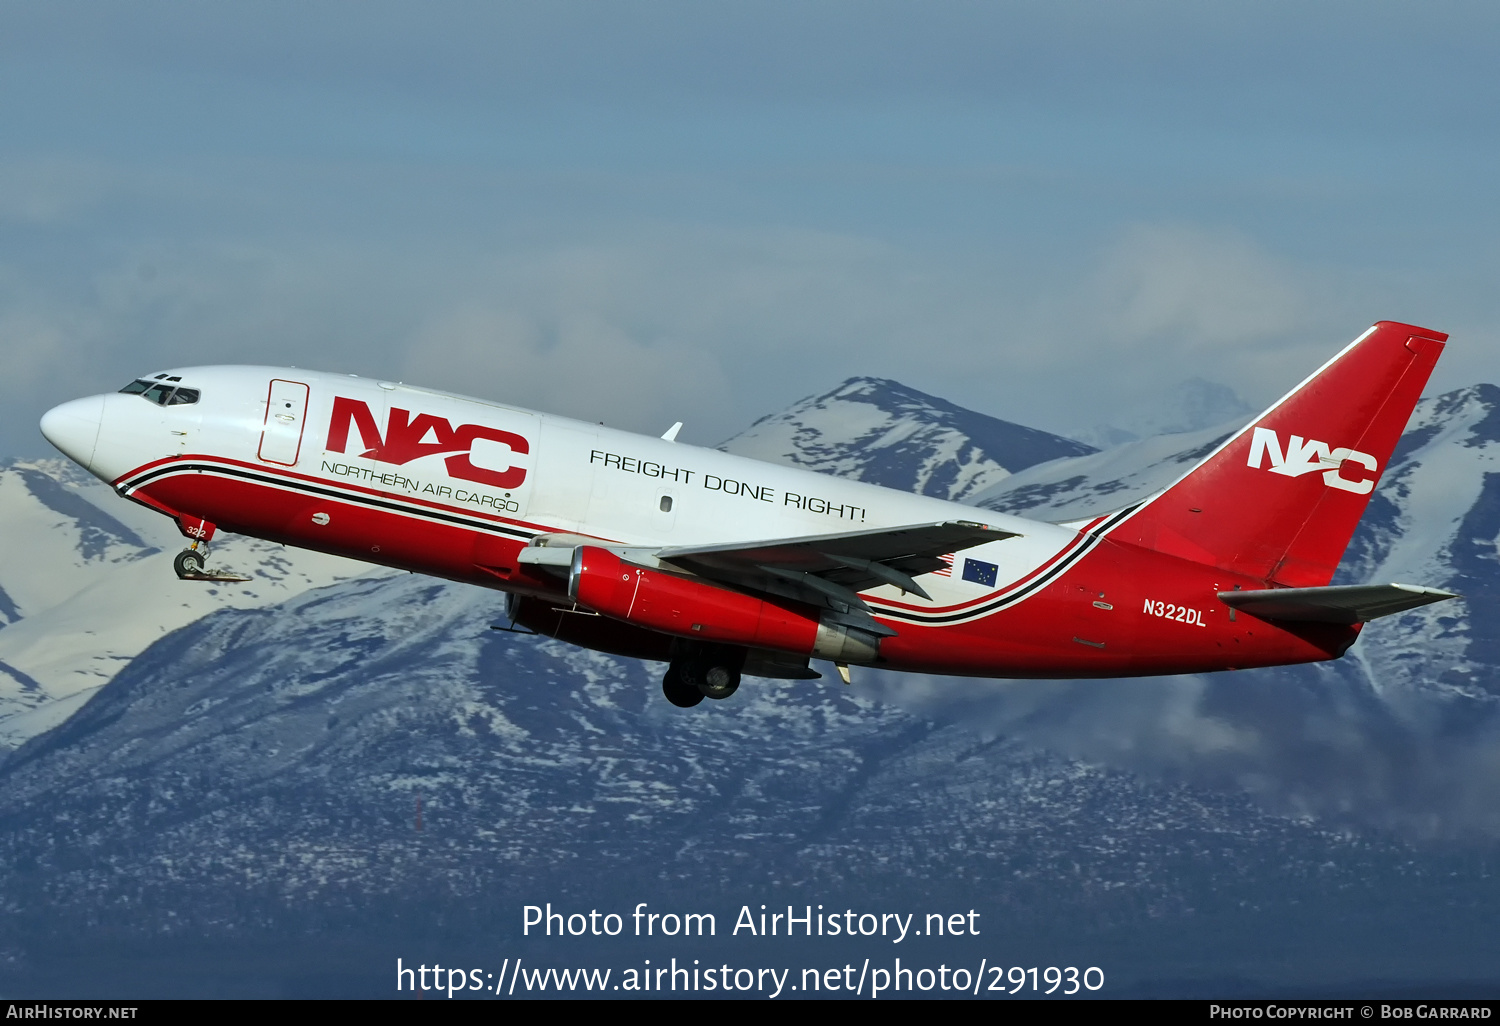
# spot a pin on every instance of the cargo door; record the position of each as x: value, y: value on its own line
x: 286, y: 413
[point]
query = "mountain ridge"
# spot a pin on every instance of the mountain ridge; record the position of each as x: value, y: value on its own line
x: 245, y: 790
x: 881, y: 429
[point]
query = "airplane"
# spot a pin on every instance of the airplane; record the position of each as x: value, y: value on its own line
x: 722, y: 566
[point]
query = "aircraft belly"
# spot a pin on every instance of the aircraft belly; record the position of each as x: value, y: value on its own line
x: 1117, y: 611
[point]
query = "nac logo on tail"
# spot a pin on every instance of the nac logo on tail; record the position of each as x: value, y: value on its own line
x: 1309, y: 456
x: 408, y: 438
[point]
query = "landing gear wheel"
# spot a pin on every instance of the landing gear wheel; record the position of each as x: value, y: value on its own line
x: 189, y: 563
x: 719, y: 682
x: 678, y: 691
x: 689, y: 671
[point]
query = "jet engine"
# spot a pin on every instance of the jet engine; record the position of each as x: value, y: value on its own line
x: 690, y: 607
x: 587, y: 629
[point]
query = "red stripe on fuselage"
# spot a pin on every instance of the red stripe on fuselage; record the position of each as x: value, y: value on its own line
x: 1065, y: 628
x: 408, y: 539
x: 1092, y: 621
x: 122, y: 484
x: 1081, y: 538
x: 152, y: 495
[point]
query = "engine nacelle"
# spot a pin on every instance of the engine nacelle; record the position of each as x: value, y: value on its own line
x: 691, y: 608
x: 600, y: 633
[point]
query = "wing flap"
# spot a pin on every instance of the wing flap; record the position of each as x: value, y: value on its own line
x: 1347, y: 603
x: 828, y: 569
x: 824, y: 553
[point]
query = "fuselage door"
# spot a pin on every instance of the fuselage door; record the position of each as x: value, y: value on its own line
x: 286, y: 411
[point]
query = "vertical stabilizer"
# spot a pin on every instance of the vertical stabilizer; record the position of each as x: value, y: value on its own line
x: 1280, y: 500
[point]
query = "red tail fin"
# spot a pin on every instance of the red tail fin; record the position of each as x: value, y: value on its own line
x: 1280, y: 500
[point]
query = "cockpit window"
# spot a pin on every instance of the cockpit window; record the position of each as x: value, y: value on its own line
x: 161, y: 393
x: 158, y: 394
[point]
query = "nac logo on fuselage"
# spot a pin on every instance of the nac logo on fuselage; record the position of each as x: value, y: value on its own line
x: 406, y: 438
x: 1309, y: 456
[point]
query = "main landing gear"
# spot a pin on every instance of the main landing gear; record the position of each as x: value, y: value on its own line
x: 702, y: 671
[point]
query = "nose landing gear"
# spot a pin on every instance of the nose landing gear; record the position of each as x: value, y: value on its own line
x: 189, y: 563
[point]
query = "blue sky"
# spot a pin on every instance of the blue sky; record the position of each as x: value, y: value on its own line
x: 646, y: 212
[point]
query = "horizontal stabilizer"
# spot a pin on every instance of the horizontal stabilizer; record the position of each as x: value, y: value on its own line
x: 1348, y: 603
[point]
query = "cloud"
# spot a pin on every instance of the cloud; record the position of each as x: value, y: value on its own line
x: 1191, y: 287
x: 695, y: 323
x: 1168, y: 301
x: 707, y: 324
x: 45, y: 190
x: 1315, y: 741
x: 32, y: 347
x: 644, y: 321
x: 575, y: 364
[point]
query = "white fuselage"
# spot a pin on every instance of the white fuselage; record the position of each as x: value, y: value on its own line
x: 576, y: 478
x: 538, y: 506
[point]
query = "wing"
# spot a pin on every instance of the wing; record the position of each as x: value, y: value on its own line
x: 829, y: 569
x: 1348, y: 603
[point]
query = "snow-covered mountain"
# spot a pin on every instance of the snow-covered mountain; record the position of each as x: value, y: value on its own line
x: 242, y: 800
x: 86, y: 584
x: 1433, y: 520
x: 1070, y: 488
x: 1400, y: 734
x: 1188, y: 406
x: 878, y: 430
x: 235, y: 810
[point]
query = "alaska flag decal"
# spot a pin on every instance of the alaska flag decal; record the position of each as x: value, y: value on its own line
x: 980, y: 572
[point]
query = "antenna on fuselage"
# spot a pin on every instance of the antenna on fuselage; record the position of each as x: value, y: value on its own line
x: 671, y: 435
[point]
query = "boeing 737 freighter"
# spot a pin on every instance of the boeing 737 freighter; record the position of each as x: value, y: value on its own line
x: 719, y: 565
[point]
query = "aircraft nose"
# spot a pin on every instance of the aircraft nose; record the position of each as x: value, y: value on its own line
x: 73, y: 428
